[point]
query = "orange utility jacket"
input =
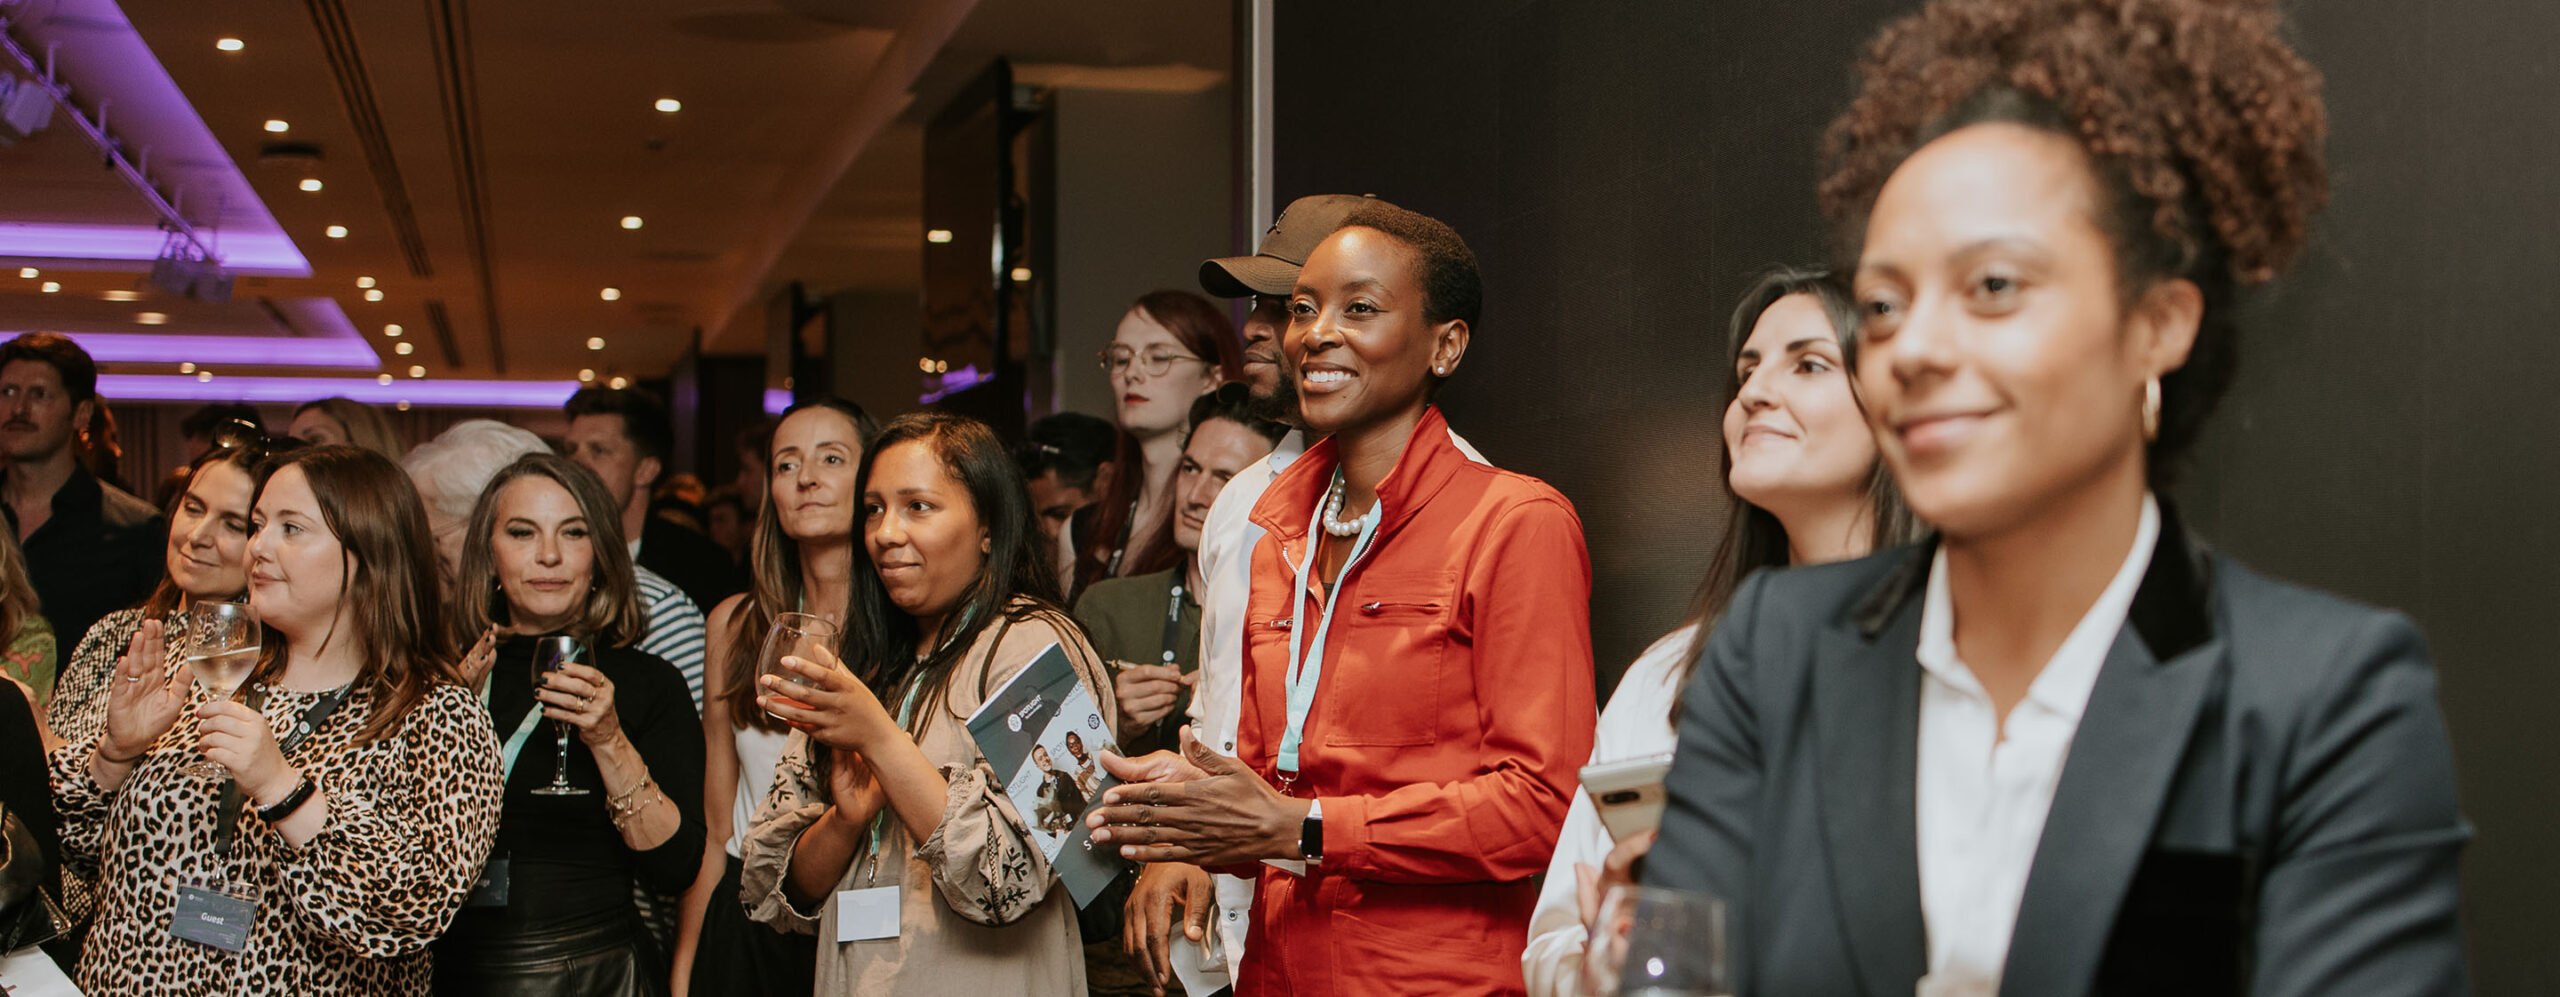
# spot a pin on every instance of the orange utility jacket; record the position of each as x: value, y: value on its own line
x: 1453, y: 711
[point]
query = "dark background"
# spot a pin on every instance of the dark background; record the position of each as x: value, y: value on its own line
x: 1624, y: 169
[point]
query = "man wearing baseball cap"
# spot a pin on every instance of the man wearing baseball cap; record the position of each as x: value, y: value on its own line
x: 1226, y: 571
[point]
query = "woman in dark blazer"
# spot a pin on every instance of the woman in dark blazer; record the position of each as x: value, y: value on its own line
x: 2061, y: 748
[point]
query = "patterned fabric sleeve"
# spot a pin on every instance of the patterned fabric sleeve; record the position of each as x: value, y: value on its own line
x: 78, y: 710
x: 796, y: 801
x: 985, y: 863
x: 400, y: 851
x: 84, y: 808
x: 31, y: 659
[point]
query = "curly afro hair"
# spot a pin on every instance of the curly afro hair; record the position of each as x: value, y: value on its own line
x: 2202, y: 124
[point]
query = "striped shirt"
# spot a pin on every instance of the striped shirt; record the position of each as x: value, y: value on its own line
x: 674, y: 630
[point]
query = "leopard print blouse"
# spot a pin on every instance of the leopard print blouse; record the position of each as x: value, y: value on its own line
x: 411, y: 818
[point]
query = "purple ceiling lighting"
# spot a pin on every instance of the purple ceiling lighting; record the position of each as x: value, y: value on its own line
x: 295, y: 390
x: 266, y: 254
x: 776, y: 401
x: 232, y: 351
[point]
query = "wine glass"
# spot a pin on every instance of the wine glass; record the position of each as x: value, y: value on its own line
x: 1658, y: 942
x: 551, y: 654
x: 796, y: 635
x: 221, y: 649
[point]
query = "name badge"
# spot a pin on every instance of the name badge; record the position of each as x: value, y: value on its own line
x: 491, y: 889
x: 867, y: 915
x: 212, y: 917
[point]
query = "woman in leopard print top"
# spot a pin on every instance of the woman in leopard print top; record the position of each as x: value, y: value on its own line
x: 382, y: 811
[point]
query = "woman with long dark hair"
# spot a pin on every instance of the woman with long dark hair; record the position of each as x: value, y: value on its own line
x: 554, y: 914
x: 1805, y: 486
x: 801, y: 559
x: 2063, y: 748
x: 334, y: 851
x: 1171, y: 347
x: 951, y: 600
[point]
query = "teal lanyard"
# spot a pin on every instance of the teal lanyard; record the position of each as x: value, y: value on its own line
x: 515, y: 741
x: 880, y: 821
x: 1305, y: 671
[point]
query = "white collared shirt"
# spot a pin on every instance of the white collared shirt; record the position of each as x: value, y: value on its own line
x: 1985, y: 788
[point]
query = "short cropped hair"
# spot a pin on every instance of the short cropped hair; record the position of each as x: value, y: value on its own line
x: 1452, y: 286
x: 455, y: 467
x: 79, y: 373
x: 1073, y: 444
x: 644, y: 421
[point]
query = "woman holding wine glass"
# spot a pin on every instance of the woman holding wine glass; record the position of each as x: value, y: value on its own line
x: 604, y: 794
x: 801, y: 559
x: 207, y: 561
x: 887, y: 796
x: 337, y: 848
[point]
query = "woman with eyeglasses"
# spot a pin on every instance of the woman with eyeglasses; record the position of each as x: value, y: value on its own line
x: 1171, y: 347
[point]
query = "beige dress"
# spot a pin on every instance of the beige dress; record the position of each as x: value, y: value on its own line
x: 980, y: 911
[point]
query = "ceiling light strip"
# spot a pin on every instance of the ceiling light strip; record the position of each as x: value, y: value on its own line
x: 42, y: 76
x: 292, y: 390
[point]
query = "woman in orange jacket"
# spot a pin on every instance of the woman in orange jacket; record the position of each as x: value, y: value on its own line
x: 1418, y: 681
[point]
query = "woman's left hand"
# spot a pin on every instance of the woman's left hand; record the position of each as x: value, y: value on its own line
x: 238, y: 739
x: 835, y: 708
x: 581, y: 697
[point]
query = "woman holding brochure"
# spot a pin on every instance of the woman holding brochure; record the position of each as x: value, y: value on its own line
x: 887, y: 833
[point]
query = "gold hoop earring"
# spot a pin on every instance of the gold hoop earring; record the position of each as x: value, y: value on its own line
x: 2151, y: 410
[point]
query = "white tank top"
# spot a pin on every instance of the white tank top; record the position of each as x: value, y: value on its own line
x: 758, y: 752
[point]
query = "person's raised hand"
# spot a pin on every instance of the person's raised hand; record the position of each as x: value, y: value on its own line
x: 825, y: 700
x: 143, y: 697
x: 1227, y: 815
x: 1147, y: 921
x: 1147, y: 694
x: 484, y: 656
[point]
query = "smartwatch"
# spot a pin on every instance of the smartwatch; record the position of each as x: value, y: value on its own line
x: 1311, y: 833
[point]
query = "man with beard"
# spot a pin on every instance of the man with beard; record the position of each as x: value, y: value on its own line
x: 91, y: 548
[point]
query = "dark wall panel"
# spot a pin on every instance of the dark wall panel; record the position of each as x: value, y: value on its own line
x: 1623, y: 169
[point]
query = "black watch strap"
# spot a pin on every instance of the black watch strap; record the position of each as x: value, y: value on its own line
x: 1311, y: 838
x: 292, y: 801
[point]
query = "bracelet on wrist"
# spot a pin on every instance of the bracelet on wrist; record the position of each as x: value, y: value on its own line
x: 292, y: 801
x: 627, y: 805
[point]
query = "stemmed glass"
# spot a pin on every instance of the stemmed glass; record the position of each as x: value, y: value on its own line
x: 222, y: 647
x: 796, y: 635
x: 1657, y: 942
x: 551, y: 654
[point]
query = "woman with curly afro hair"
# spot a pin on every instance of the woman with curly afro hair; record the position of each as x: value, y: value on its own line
x: 2062, y: 748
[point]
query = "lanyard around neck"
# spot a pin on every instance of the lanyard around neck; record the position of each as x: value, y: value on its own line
x: 1307, y: 669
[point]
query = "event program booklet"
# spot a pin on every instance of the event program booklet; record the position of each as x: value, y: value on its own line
x: 1043, y: 735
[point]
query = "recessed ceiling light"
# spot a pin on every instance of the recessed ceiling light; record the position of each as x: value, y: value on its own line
x: 937, y: 236
x: 610, y: 294
x: 120, y: 296
x: 381, y: 378
x: 402, y: 405
x: 278, y: 126
x: 669, y: 105
x: 595, y: 342
x: 631, y: 221
x: 1022, y: 275
x: 417, y: 371
x: 620, y: 383
x: 152, y: 318
x: 29, y: 273
x: 51, y: 287
x: 188, y: 367
x: 203, y: 376
x: 228, y: 44
x: 373, y: 295
x: 311, y: 184
x: 393, y: 330
x: 337, y: 231
x: 405, y: 348
x: 586, y: 374
x: 364, y: 282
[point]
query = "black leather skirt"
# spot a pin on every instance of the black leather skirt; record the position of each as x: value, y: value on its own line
x: 608, y: 955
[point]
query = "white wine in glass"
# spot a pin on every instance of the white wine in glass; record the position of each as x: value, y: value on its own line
x: 222, y: 641
x: 795, y: 635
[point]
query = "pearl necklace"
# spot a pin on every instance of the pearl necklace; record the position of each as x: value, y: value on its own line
x: 1333, y: 522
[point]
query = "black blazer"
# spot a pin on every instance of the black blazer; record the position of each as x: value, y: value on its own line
x: 2259, y: 800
